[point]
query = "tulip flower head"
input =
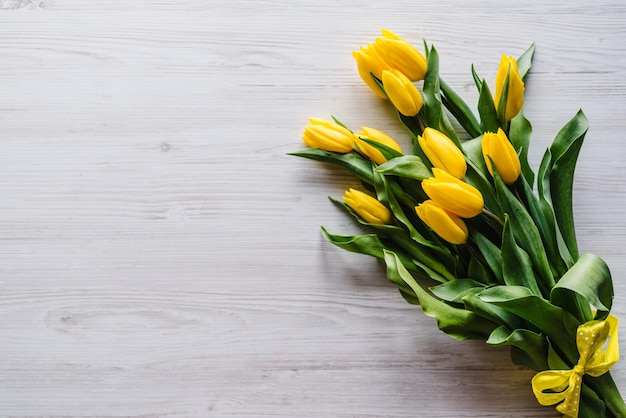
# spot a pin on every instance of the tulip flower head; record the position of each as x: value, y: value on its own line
x: 453, y: 195
x: 515, y: 92
x: 442, y: 152
x: 375, y: 135
x: 445, y: 224
x: 369, y: 62
x: 367, y: 207
x: 328, y: 136
x: 401, y: 55
x: 402, y: 92
x: 498, y: 151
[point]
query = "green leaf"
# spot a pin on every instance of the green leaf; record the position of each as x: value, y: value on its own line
x: 477, y: 179
x: 370, y: 244
x: 359, y: 166
x: 363, y: 244
x: 490, y: 252
x: 556, y: 176
x: 591, y: 405
x: 432, y: 113
x: 458, y: 323
x: 534, y: 345
x: 516, y: 264
x: 455, y: 290
x: 491, y: 312
x: 520, y: 131
x: 460, y: 110
x: 526, y: 233
x: 477, y: 79
x: 340, y: 123
x: 501, y: 106
x: 479, y: 270
x: 548, y: 318
x: 590, y: 279
x: 387, y: 152
x: 543, y: 216
x: 487, y: 109
x: 409, y: 166
x: 473, y: 150
x: 411, y: 123
x: 524, y: 62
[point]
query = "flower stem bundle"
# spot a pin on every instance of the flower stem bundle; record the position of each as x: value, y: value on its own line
x: 469, y: 231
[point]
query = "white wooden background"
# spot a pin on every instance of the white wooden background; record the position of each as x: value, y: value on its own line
x: 160, y: 255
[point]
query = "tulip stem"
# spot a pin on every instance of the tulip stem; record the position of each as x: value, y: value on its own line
x: 494, y: 218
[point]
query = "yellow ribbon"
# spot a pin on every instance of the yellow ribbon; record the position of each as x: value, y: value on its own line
x: 565, y: 385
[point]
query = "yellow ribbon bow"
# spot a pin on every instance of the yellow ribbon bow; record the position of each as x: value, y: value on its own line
x: 565, y: 385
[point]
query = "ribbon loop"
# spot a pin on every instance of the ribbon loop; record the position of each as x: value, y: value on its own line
x: 565, y: 385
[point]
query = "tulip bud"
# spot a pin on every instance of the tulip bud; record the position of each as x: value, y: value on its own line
x: 369, y: 62
x: 498, y: 149
x: 447, y: 225
x: 402, y: 92
x: 515, y: 93
x: 375, y: 135
x: 367, y: 207
x: 453, y: 195
x: 401, y: 55
x: 442, y: 152
x: 328, y: 136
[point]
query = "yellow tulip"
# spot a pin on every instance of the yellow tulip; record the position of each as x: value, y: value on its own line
x: 328, y: 136
x: 367, y: 207
x: 497, y: 148
x: 442, y: 152
x: 401, y: 55
x: 402, y: 92
x: 369, y: 61
x: 447, y: 225
x: 515, y: 93
x: 378, y: 136
x: 453, y: 195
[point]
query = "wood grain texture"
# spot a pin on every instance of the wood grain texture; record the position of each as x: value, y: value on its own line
x: 160, y: 254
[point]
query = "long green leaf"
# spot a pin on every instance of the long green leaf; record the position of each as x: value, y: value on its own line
x: 359, y: 166
x: 479, y: 270
x: 387, y: 152
x: 409, y: 166
x: 501, y: 105
x: 491, y: 312
x: 370, y: 244
x: 487, y: 109
x: 556, y: 176
x: 526, y: 233
x: 455, y: 290
x: 460, y: 110
x: 490, y: 252
x: 589, y: 278
x: 520, y: 131
x: 534, y: 345
x: 363, y: 244
x: 516, y: 264
x: 458, y: 323
x: 524, y: 62
x: 557, y: 324
x: 543, y: 216
x: 432, y: 113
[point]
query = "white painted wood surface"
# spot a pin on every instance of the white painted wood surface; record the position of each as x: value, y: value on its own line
x: 160, y: 255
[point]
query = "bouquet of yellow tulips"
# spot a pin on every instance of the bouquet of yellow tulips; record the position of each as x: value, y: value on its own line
x: 469, y: 231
